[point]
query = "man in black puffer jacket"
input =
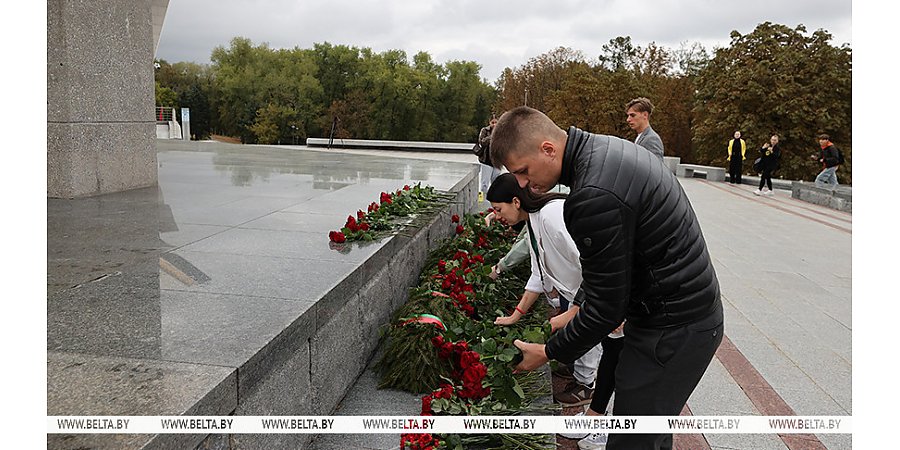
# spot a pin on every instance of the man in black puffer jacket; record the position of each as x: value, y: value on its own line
x: 643, y: 257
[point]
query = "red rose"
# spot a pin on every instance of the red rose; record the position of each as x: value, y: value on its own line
x: 468, y: 358
x: 406, y: 188
x: 385, y: 198
x: 455, y: 218
x: 337, y: 237
x: 445, y: 351
x: 373, y: 207
x: 446, y: 391
x: 478, y: 258
x: 437, y: 341
x: 460, y: 229
x: 360, y: 215
x: 445, y: 284
x: 351, y: 224
x: 363, y: 226
x: 442, y: 266
x: 426, y: 404
x: 474, y: 374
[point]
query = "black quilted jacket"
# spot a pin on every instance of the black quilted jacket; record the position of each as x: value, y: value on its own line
x: 643, y: 256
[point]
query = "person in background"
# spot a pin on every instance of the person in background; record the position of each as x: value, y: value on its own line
x: 736, y: 164
x: 770, y: 154
x: 483, y: 150
x: 637, y: 115
x: 829, y: 156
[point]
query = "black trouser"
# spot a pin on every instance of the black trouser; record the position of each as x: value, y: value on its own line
x: 606, y: 373
x: 658, y: 370
x: 734, y: 171
x: 766, y: 178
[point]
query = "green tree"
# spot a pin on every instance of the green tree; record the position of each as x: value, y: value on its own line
x: 166, y: 96
x: 273, y: 123
x: 776, y: 80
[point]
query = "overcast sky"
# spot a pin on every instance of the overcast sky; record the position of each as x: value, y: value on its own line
x: 494, y: 34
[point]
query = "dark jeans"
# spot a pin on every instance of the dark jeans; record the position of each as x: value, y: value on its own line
x: 766, y: 178
x: 606, y: 373
x: 658, y: 369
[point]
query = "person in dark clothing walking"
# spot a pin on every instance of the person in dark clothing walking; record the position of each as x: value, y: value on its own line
x: 643, y: 259
x: 736, y: 164
x: 770, y: 154
x: 830, y: 158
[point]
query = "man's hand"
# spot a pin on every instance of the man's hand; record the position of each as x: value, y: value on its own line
x: 533, y: 355
x: 557, y: 322
x: 560, y: 320
x: 495, y: 272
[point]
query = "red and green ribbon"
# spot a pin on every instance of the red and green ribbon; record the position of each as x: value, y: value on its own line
x: 424, y: 318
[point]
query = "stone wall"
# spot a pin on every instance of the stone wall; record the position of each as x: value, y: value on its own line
x: 840, y: 199
x: 100, y: 125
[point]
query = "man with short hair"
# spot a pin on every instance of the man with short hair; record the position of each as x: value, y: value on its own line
x: 643, y: 259
x: 829, y: 157
x: 637, y: 114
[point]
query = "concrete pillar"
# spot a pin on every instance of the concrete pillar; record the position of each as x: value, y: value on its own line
x: 100, y: 97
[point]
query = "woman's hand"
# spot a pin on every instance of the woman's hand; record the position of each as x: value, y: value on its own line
x: 489, y: 218
x: 495, y: 272
x: 508, y: 320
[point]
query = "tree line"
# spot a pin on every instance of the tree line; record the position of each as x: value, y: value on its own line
x: 267, y: 96
x: 774, y: 80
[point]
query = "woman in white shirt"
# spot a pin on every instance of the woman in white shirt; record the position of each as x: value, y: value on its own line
x: 556, y: 271
x: 555, y: 267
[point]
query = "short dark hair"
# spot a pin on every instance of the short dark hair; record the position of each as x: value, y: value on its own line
x: 519, y: 125
x: 641, y: 104
x: 824, y: 136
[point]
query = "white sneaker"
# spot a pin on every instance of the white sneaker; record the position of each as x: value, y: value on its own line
x: 594, y: 441
x: 757, y: 192
x: 770, y: 193
x: 575, y: 435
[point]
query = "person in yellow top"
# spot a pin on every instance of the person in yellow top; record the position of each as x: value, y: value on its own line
x: 736, y: 165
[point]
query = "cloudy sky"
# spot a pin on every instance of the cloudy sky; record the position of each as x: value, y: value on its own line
x: 494, y: 34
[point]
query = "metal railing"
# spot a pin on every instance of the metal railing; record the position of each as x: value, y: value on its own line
x: 165, y: 114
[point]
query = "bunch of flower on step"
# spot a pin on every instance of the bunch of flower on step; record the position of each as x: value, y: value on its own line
x: 419, y: 442
x: 382, y: 217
